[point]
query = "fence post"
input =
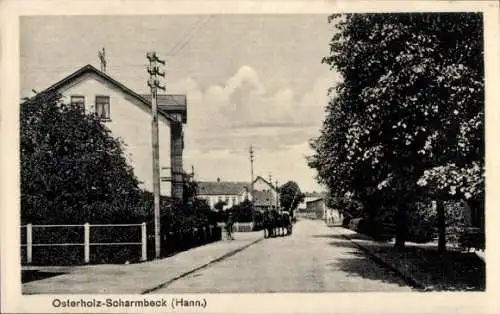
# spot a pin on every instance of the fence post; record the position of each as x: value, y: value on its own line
x: 29, y: 243
x: 144, y: 242
x: 86, y: 243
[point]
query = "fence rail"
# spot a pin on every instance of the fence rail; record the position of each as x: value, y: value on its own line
x: 239, y: 226
x: 86, y: 243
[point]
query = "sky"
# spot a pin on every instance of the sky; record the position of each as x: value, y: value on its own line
x: 249, y: 79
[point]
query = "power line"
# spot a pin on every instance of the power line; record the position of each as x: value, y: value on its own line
x: 174, y: 47
x: 189, y: 37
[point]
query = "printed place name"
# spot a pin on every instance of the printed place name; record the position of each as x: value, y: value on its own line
x: 130, y: 303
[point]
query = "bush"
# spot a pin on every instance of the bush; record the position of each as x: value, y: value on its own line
x: 422, y: 219
x: 359, y: 225
x: 72, y: 169
x: 346, y: 221
x: 74, y: 172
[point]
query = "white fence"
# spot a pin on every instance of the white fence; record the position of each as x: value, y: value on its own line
x: 239, y: 226
x: 86, y: 243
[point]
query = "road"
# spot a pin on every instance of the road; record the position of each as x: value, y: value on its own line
x: 314, y: 258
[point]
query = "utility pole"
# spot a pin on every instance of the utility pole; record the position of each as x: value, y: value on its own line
x: 154, y: 84
x: 251, y: 182
x: 277, y: 197
x: 271, y: 191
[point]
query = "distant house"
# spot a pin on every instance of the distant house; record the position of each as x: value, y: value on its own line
x: 232, y: 193
x: 265, y: 194
x: 264, y: 200
x: 318, y: 207
x: 128, y: 116
x: 308, y: 197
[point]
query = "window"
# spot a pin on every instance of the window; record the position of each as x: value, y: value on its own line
x: 102, y: 107
x: 78, y: 101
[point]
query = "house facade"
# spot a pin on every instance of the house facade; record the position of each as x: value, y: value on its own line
x: 308, y: 197
x: 266, y: 194
x: 232, y: 193
x: 264, y: 197
x: 317, y: 206
x: 128, y: 116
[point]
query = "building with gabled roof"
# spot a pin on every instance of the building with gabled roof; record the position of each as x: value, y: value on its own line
x: 232, y: 193
x: 128, y: 115
x: 264, y: 196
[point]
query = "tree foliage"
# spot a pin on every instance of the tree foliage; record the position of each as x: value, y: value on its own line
x: 243, y: 212
x: 72, y: 169
x: 220, y: 205
x: 409, y: 108
x: 290, y: 196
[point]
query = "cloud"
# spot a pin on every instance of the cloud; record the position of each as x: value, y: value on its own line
x: 243, y: 101
x: 224, y: 120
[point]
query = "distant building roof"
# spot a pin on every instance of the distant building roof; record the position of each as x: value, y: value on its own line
x: 270, y: 184
x: 315, y: 194
x: 263, y: 198
x: 172, y: 104
x: 222, y: 188
x: 319, y: 199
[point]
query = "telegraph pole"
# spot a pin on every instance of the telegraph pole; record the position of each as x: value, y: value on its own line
x: 154, y: 84
x: 271, y: 192
x: 277, y: 197
x: 251, y: 171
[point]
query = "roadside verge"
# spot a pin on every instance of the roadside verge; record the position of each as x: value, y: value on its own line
x: 422, y: 266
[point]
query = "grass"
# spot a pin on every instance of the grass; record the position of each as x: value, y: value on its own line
x: 449, y: 271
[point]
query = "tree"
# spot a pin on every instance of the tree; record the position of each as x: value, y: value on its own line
x: 243, y: 212
x: 409, y: 109
x: 220, y: 205
x: 290, y: 196
x: 72, y: 169
x: 189, y: 190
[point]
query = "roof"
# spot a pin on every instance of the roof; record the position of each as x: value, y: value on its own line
x: 315, y: 194
x: 263, y: 198
x: 171, y: 104
x: 90, y: 69
x: 267, y: 182
x: 315, y: 200
x: 222, y: 188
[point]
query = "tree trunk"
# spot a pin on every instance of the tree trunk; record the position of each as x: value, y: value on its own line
x: 441, y: 226
x: 401, y: 229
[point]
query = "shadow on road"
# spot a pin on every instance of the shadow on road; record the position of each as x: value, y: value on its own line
x: 340, y: 237
x: 449, y: 271
x: 359, y: 266
x: 33, y: 275
x: 372, y: 247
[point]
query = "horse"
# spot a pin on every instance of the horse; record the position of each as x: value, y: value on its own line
x: 268, y: 225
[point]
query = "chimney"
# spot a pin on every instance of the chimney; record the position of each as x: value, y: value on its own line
x: 176, y: 148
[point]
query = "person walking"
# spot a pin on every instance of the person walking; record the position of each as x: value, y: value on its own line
x: 288, y: 223
x: 229, y: 226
